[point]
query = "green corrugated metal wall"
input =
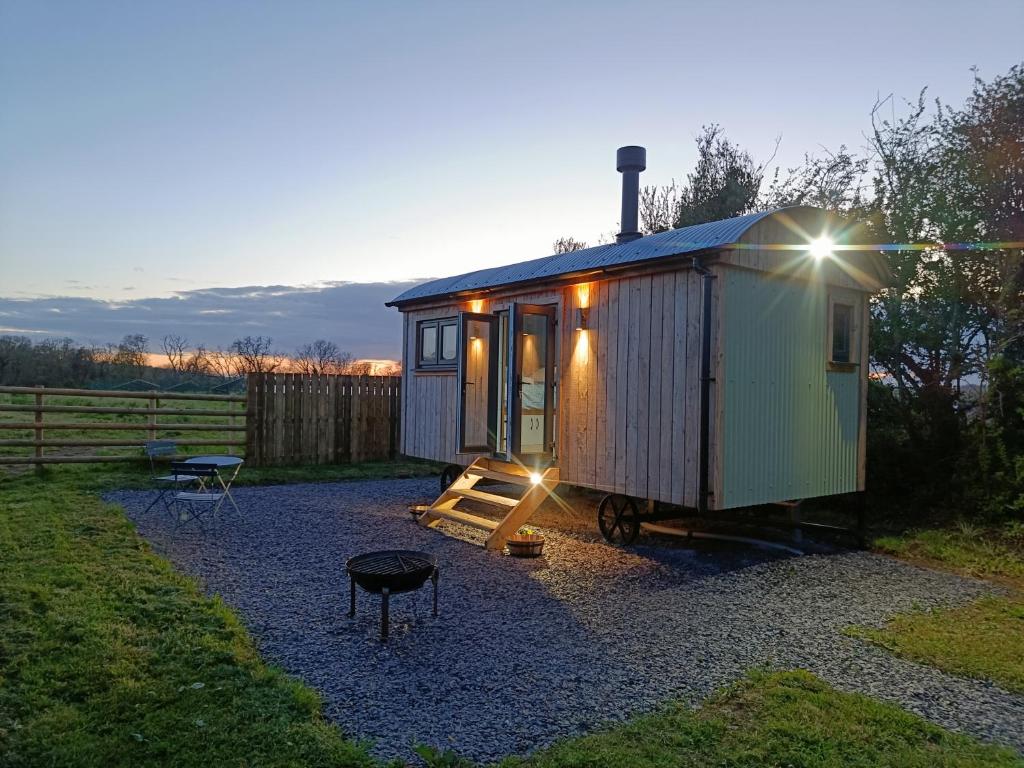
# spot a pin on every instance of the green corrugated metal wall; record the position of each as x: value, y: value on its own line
x: 790, y: 425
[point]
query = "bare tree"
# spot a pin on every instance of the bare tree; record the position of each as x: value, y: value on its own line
x: 567, y: 245
x: 175, y: 348
x: 198, y: 363
x: 254, y: 354
x: 320, y: 357
x: 220, y: 363
x: 358, y: 368
x: 131, y: 352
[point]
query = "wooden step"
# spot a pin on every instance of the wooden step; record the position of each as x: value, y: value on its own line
x: 489, y: 498
x: 509, y: 468
x: 463, y: 518
x: 504, y: 477
x: 527, y: 505
x: 517, y: 511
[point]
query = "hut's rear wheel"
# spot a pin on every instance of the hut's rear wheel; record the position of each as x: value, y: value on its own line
x: 618, y: 519
x: 449, y: 475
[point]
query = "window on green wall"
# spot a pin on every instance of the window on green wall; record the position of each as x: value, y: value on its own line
x: 842, y: 333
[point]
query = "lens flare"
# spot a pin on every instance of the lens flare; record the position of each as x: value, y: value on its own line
x: 535, y: 478
x: 821, y: 247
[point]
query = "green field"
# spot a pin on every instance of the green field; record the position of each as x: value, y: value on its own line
x: 780, y: 719
x: 140, y: 418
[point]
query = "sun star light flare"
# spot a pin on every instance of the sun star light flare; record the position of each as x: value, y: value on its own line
x: 821, y: 247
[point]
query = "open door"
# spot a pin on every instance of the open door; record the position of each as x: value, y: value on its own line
x: 479, y: 349
x: 532, y: 394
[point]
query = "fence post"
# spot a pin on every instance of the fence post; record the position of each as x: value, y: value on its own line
x: 253, y: 430
x: 231, y: 421
x: 154, y: 404
x: 39, y: 426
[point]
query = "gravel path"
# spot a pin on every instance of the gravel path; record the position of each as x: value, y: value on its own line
x: 527, y: 652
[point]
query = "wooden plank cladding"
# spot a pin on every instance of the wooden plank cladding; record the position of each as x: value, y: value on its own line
x: 628, y: 387
x: 296, y: 418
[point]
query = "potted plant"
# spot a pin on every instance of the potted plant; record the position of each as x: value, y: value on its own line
x: 526, y: 542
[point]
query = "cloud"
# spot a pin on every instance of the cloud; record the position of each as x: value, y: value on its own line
x: 351, y: 314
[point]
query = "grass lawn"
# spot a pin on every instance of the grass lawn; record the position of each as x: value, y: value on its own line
x: 110, y: 658
x: 781, y: 719
x: 987, y: 553
x: 984, y: 639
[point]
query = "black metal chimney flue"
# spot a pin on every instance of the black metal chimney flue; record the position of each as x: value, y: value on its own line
x: 629, y: 161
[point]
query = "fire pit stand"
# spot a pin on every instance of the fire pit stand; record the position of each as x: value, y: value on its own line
x: 388, y: 573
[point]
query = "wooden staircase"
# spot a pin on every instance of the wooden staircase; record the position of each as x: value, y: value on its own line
x: 536, y: 487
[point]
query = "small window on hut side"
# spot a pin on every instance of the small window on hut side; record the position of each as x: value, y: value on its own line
x: 842, y: 336
x: 449, y: 337
x: 436, y: 343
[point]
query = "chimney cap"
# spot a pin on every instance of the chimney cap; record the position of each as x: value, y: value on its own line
x: 631, y: 158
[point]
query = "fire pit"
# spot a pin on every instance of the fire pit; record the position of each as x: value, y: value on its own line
x: 390, y: 572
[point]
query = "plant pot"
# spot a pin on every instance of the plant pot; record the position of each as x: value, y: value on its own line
x: 525, y: 545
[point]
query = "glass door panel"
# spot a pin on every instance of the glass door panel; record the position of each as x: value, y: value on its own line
x: 501, y: 406
x: 478, y: 382
x: 533, y: 373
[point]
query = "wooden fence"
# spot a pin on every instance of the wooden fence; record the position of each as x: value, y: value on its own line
x: 221, y: 416
x: 289, y: 419
x: 306, y: 419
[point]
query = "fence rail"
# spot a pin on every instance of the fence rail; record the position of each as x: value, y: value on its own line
x: 328, y: 419
x: 124, y: 394
x: 149, y: 424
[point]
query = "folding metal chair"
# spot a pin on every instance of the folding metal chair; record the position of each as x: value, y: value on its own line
x: 193, y: 505
x: 165, y: 483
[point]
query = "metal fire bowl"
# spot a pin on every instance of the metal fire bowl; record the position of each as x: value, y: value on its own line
x: 399, y: 570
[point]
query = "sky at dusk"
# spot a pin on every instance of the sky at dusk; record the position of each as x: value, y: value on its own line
x: 153, y: 151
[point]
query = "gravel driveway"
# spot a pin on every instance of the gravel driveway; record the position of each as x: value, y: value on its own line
x: 527, y: 652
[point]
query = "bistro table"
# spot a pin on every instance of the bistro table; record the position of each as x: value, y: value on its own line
x: 222, y: 463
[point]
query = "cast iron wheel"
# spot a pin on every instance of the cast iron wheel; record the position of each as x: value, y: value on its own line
x: 449, y: 475
x: 618, y: 519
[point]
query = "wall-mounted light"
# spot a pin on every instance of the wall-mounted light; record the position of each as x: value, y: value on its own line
x: 582, y: 315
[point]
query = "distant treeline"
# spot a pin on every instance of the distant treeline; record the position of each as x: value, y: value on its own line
x: 66, y: 363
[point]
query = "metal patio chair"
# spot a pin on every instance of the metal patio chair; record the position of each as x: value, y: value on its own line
x: 164, y: 483
x: 194, y: 505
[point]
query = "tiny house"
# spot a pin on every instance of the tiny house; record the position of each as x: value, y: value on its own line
x: 716, y: 366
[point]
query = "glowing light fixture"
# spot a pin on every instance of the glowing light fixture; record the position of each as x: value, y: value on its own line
x: 821, y: 247
x: 535, y: 478
x: 582, y: 314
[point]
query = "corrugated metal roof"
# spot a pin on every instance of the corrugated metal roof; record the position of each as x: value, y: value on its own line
x: 699, y: 237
